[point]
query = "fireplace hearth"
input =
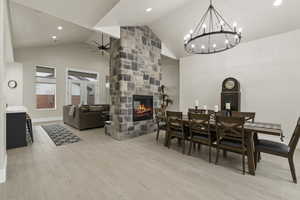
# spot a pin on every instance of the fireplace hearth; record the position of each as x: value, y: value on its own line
x: 142, y: 107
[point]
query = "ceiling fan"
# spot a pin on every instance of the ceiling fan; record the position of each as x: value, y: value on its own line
x: 103, y: 48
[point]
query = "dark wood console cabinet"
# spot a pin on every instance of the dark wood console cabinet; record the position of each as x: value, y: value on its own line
x: 15, y: 130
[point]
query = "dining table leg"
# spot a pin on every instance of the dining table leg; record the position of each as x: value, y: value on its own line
x: 166, y: 139
x: 250, y: 152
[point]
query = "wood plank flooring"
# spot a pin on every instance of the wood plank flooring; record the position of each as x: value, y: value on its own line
x: 99, y: 167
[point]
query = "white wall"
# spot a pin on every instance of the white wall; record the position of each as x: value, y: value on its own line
x: 14, y: 97
x: 6, y: 57
x: 2, y: 67
x: 170, y: 78
x: 268, y: 70
x: 77, y: 56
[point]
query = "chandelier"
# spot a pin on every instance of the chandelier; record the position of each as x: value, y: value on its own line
x: 212, y: 34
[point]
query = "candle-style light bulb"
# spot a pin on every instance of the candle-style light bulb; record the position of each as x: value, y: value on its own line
x: 240, y: 30
x: 204, y: 28
x: 236, y: 37
x: 214, y: 46
x: 191, y: 31
x: 193, y: 46
x: 222, y: 24
x: 202, y: 47
x: 226, y: 43
x: 234, y: 26
x: 187, y: 37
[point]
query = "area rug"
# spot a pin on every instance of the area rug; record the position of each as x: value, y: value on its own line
x: 60, y: 135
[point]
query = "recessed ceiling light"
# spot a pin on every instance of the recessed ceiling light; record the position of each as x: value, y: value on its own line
x: 60, y: 28
x: 148, y: 9
x: 54, y: 37
x: 277, y: 3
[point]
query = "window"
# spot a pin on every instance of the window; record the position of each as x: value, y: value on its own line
x: 82, y: 87
x: 45, y: 87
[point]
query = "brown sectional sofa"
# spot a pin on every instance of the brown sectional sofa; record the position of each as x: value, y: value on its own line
x: 86, y: 117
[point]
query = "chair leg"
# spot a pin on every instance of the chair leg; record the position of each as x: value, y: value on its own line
x: 224, y: 154
x: 199, y: 147
x: 255, y: 158
x: 209, y: 154
x: 244, y: 163
x: 31, y: 130
x: 292, y: 168
x: 190, y: 148
x: 29, y: 126
x: 183, y: 146
x: 157, y: 135
x: 168, y: 141
x: 217, y: 157
x: 179, y: 141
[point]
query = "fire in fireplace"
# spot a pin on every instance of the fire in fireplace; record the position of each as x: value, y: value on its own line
x: 142, y: 107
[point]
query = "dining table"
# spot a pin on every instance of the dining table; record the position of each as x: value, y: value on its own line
x: 250, y: 128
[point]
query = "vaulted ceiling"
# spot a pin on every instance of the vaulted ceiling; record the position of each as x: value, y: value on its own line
x: 32, y: 28
x: 85, y: 13
x: 169, y: 19
x: 258, y: 18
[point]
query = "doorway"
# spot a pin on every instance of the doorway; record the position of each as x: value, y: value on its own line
x: 82, y: 87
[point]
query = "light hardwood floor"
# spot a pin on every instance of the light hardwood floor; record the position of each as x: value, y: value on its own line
x: 99, y: 167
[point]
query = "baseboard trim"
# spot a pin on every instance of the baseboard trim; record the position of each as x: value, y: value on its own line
x: 47, y: 119
x: 3, y: 171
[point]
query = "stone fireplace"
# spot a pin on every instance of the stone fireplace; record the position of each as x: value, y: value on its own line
x: 135, y: 76
x: 142, y: 108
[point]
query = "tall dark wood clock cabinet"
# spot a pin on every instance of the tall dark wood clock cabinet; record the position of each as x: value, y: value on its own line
x: 231, y: 94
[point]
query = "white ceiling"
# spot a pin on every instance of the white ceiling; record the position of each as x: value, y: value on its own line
x: 133, y: 12
x: 85, y: 13
x: 257, y: 18
x: 33, y: 28
x: 169, y: 19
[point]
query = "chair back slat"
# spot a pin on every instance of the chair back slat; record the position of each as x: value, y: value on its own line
x: 230, y: 127
x: 174, y: 120
x: 199, y: 122
x: 295, y: 138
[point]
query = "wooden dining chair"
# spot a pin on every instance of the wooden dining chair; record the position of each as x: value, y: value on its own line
x: 280, y: 149
x: 175, y: 128
x: 200, y: 132
x: 160, y: 120
x: 249, y: 117
x: 231, y: 136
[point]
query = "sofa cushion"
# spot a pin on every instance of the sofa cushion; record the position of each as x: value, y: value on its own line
x: 84, y: 108
x: 96, y: 108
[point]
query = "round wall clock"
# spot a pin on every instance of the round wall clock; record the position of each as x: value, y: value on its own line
x: 12, y: 84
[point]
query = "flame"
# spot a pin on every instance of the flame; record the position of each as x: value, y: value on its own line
x: 142, y: 109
